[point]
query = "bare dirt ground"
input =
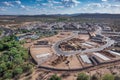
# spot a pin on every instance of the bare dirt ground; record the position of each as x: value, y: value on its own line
x: 39, y: 74
x: 73, y: 60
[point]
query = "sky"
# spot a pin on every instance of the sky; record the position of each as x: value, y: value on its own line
x: 37, y: 7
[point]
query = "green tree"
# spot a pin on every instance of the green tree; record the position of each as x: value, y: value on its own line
x: 1, y: 47
x: 82, y: 76
x: 4, y: 58
x: 108, y: 77
x: 10, y: 65
x: 18, y: 59
x: 94, y: 77
x: 24, y: 53
x: 8, y: 74
x: 13, y: 57
x: 27, y: 67
x: 55, y: 77
x: 17, y: 70
x: 3, y: 67
x: 13, y: 51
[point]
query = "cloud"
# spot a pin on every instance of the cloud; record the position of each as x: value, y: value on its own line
x: 94, y: 5
x: 116, y: 0
x: 99, y: 5
x: 60, y: 6
x: 70, y: 3
x: 115, y: 6
x: 106, y: 7
x: 44, y: 4
x: 104, y: 0
x: 2, y: 9
x: 24, y: 7
x: 56, y: 2
x: 38, y: 0
x: 18, y: 2
x: 9, y: 4
x: 57, y: 7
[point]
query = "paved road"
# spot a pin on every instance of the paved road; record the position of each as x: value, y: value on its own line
x: 56, y: 45
x: 56, y: 49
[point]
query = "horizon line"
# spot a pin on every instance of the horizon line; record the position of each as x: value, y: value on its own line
x: 55, y: 14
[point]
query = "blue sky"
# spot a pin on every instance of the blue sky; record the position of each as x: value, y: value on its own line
x: 36, y: 7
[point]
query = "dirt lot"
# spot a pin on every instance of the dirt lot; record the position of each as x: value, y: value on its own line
x: 74, y: 61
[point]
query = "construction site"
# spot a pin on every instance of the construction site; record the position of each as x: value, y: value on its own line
x: 77, y: 52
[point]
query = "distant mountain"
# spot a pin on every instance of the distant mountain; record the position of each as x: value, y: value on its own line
x: 96, y: 15
x: 78, y: 15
